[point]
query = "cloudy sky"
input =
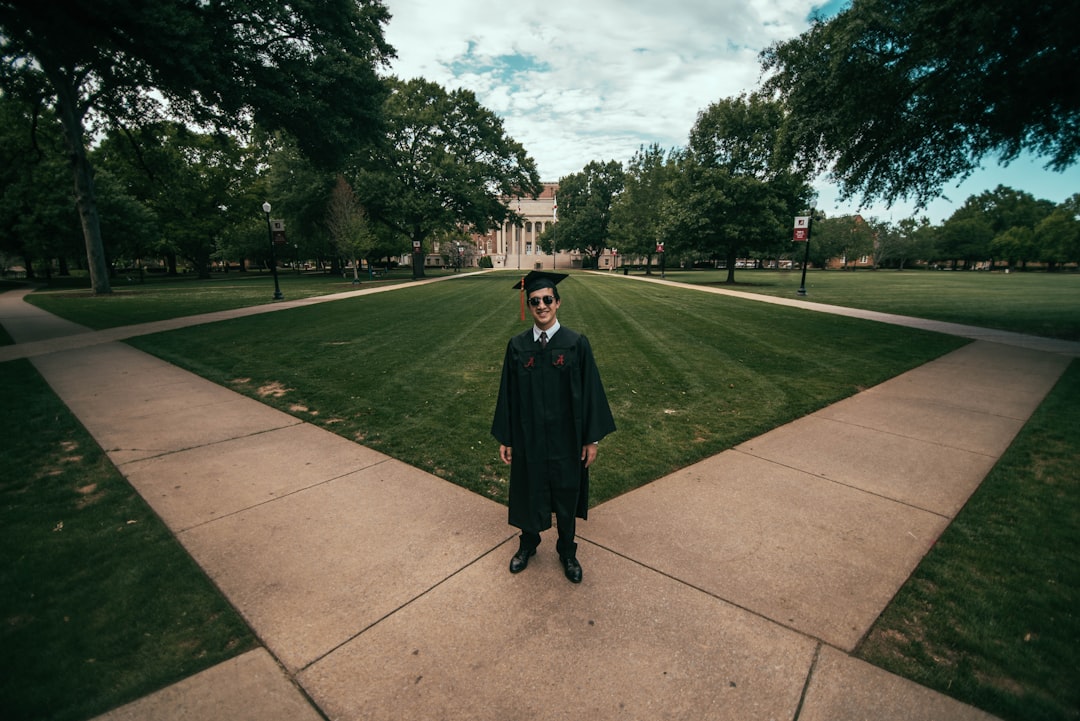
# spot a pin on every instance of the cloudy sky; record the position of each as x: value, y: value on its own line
x: 596, y: 79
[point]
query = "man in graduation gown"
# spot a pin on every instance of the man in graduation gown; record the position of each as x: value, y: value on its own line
x: 551, y: 413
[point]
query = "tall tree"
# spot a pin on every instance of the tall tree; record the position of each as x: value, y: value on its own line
x: 1001, y: 210
x: 964, y: 237
x: 447, y: 162
x: 307, y: 68
x: 198, y: 185
x: 38, y: 222
x: 299, y: 190
x: 1015, y: 245
x: 637, y: 214
x: 738, y: 189
x: 348, y: 225
x: 133, y: 225
x: 898, y: 97
x: 585, y: 207
x: 912, y: 239
x: 843, y: 237
x: 1004, y: 208
x: 1057, y: 236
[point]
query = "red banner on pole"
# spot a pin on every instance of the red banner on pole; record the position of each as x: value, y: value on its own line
x: 802, y: 229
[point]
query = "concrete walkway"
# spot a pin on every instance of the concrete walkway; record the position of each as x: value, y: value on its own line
x: 731, y: 589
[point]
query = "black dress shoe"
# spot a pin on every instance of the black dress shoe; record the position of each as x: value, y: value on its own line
x: 521, y: 560
x: 572, y: 569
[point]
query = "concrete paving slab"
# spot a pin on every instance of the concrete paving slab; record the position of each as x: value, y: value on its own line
x: 926, y: 420
x: 843, y: 688
x: 117, y: 369
x: 27, y: 323
x: 311, y: 570
x: 191, y: 487
x: 989, y: 355
x: 251, y: 687
x: 127, y: 439
x: 627, y: 643
x: 122, y: 376
x: 137, y: 398
x: 810, y: 554
x: 982, y: 377
x: 1004, y: 393
x: 137, y: 406
x: 924, y: 474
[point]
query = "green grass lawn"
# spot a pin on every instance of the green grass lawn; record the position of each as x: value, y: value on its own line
x: 160, y: 298
x: 414, y: 373
x: 992, y: 614
x: 100, y: 604
x: 1046, y: 304
x: 987, y: 618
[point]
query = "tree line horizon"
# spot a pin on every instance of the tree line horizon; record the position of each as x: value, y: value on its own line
x: 130, y: 132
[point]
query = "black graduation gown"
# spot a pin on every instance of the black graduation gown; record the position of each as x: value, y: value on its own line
x: 551, y: 403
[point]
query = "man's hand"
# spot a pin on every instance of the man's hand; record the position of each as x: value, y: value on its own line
x: 588, y: 453
x: 504, y: 453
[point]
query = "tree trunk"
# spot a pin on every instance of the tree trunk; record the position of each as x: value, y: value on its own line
x: 74, y: 135
x: 731, y: 258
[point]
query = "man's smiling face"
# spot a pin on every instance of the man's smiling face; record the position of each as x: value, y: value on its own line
x: 544, y: 312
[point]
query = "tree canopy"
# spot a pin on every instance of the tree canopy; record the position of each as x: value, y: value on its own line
x: 898, y: 97
x: 585, y: 208
x: 737, y: 189
x: 37, y: 220
x: 637, y: 214
x: 198, y: 185
x: 305, y: 68
x: 446, y: 163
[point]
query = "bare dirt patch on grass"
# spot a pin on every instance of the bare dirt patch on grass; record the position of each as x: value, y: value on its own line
x: 274, y: 389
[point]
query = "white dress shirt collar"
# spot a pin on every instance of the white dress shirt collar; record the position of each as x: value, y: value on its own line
x: 550, y: 331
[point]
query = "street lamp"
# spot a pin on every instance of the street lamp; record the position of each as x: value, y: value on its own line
x: 273, y: 260
x: 806, y: 251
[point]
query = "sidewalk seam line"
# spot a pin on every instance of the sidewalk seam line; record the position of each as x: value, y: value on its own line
x: 846, y: 485
x: 210, y: 444
x: 283, y: 496
x: 894, y: 434
x: 706, y: 592
x: 401, y: 607
x: 806, y: 684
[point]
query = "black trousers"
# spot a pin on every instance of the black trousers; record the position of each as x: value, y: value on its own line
x: 567, y: 530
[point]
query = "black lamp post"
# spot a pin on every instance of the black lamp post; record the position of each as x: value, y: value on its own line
x: 806, y: 252
x: 273, y: 259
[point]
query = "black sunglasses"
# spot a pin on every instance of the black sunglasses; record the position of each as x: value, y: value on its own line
x: 546, y: 299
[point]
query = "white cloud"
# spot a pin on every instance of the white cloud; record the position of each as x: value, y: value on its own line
x: 595, y: 80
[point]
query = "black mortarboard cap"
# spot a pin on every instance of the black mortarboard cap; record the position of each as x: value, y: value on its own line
x: 537, y: 279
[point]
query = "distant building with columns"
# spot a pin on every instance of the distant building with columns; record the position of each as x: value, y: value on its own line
x: 517, y: 246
